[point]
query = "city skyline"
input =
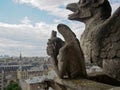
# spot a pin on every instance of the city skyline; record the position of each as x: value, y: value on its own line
x: 26, y: 25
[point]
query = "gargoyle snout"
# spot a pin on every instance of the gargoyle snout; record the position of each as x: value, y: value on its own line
x: 73, y: 7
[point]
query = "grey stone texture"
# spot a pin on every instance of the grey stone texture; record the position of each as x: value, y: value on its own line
x: 82, y: 84
x: 68, y: 59
x: 99, y: 44
x: 100, y: 41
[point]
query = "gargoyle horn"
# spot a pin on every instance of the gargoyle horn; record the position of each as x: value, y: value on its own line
x: 54, y: 34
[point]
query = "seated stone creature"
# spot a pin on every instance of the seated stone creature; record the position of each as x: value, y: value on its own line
x: 100, y: 40
x: 67, y: 56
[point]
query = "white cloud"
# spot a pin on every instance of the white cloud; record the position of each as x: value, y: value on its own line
x: 115, y: 6
x: 26, y: 38
x: 54, y: 7
x: 31, y: 39
x: 51, y: 6
x: 25, y: 20
x: 14, y: 48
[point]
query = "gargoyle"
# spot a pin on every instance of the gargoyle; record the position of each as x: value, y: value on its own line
x: 100, y: 41
x: 68, y: 54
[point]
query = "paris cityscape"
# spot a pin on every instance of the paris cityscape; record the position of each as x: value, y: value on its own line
x: 28, y: 61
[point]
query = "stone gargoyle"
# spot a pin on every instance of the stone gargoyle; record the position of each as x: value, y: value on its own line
x: 67, y: 57
x: 100, y: 41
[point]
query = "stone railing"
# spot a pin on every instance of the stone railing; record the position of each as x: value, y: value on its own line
x: 84, y: 84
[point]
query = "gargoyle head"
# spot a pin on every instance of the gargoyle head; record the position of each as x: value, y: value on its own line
x: 86, y: 9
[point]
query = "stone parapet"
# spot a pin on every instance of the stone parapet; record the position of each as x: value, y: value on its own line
x: 83, y: 84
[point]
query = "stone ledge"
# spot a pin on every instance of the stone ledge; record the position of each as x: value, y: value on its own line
x: 116, y: 88
x: 83, y: 84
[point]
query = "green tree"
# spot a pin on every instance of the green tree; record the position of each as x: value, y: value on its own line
x: 13, y: 86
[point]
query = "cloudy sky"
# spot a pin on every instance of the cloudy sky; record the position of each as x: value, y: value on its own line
x: 26, y: 25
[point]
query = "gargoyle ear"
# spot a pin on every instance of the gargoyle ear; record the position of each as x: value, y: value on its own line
x: 96, y: 3
x: 54, y: 34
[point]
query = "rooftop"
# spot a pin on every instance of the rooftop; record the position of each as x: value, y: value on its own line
x: 35, y: 80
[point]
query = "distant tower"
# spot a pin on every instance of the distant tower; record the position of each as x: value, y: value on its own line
x: 20, y: 56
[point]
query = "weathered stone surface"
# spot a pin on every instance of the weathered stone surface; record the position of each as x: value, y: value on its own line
x: 118, y: 53
x: 116, y: 88
x: 53, y: 46
x: 71, y: 58
x: 52, y: 84
x: 82, y: 84
x: 100, y: 43
x: 68, y: 58
x: 101, y: 39
x: 103, y: 78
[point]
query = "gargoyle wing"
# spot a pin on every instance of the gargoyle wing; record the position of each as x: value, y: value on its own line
x: 109, y: 43
x: 71, y: 58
